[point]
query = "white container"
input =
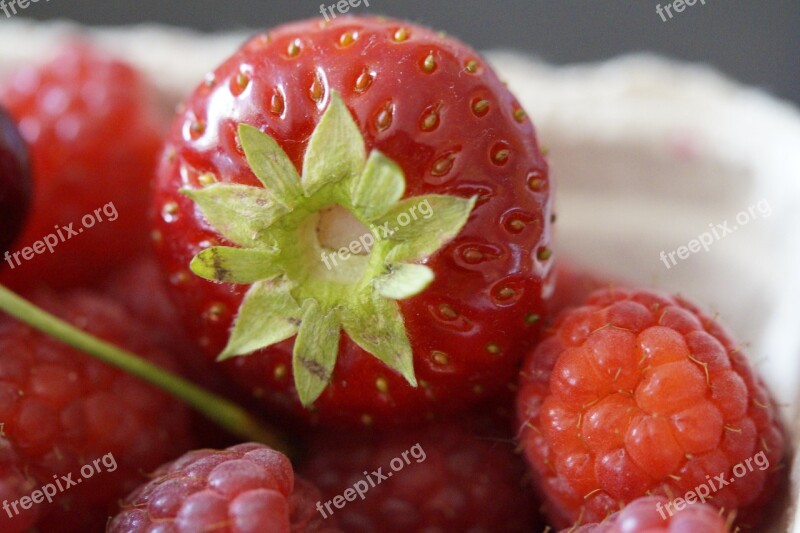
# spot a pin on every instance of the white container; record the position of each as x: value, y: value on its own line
x: 648, y: 154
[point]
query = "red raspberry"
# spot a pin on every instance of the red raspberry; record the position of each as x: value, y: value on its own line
x: 643, y: 515
x: 90, y: 122
x: 139, y: 287
x: 639, y: 393
x: 62, y: 410
x: 247, y: 488
x: 452, y: 479
x: 573, y: 285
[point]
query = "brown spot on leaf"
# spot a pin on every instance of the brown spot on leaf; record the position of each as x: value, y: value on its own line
x: 220, y: 272
x: 315, y: 369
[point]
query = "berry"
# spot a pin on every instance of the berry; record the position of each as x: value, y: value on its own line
x: 573, y: 285
x: 636, y: 393
x: 392, y: 127
x: 643, y: 515
x: 15, y: 182
x: 439, y: 477
x: 140, y: 288
x: 90, y: 122
x: 62, y: 410
x: 248, y: 488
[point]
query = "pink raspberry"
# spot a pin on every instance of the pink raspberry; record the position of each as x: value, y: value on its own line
x: 648, y: 515
x: 248, y: 488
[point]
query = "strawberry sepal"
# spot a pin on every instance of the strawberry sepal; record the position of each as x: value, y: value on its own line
x: 290, y: 232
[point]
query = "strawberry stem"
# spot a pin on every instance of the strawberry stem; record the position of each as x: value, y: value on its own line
x: 225, y: 413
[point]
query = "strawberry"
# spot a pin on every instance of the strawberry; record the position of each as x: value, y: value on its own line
x: 75, y: 428
x: 15, y: 182
x: 248, y: 488
x: 94, y: 136
x: 636, y: 392
x: 448, y: 476
x: 366, y: 215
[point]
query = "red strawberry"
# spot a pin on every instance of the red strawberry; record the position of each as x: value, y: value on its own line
x: 439, y: 477
x: 247, y: 488
x: 392, y: 127
x: 15, y: 182
x: 638, y: 393
x: 643, y: 515
x: 62, y: 410
x: 94, y: 139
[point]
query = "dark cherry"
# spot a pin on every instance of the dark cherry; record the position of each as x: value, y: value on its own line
x: 15, y: 181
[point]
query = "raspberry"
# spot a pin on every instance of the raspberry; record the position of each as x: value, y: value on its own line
x: 643, y: 515
x: 62, y: 410
x: 574, y: 284
x: 248, y: 488
x: 452, y: 480
x: 139, y: 287
x: 638, y: 393
x: 92, y: 128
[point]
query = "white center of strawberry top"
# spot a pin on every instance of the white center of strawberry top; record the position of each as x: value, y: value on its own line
x: 331, y: 250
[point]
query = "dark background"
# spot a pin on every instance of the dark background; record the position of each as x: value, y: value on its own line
x: 754, y: 41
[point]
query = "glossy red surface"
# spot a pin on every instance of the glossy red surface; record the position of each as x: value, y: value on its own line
x: 470, y: 327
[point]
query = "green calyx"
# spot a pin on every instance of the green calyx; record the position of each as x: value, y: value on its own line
x: 329, y: 250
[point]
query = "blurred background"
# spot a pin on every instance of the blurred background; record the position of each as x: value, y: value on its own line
x: 756, y: 42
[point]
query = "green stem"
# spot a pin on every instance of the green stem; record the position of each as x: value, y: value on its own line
x: 225, y: 413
